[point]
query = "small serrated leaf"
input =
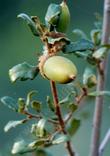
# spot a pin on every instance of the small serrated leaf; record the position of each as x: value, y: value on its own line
x: 37, y: 143
x: 43, y: 142
x: 73, y: 126
x: 52, y: 15
x: 91, y: 60
x: 29, y: 97
x: 30, y: 23
x: 21, y: 147
x: 13, y: 124
x: 18, y: 147
x: 79, y: 33
x: 21, y: 105
x: 50, y: 104
x: 81, y: 45
x: 67, y: 98
x: 100, y: 53
x: 72, y: 107
x: 10, y: 103
x: 96, y: 36
x: 64, y: 101
x: 89, y: 77
x: 36, y: 105
x: 60, y: 139
x: 23, y: 72
x: 40, y: 129
x: 99, y: 93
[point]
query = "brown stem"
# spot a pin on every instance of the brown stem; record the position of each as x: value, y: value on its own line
x: 83, y: 94
x: 60, y: 118
x: 94, y: 151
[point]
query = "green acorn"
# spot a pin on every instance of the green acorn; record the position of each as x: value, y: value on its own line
x: 64, y: 18
x: 59, y: 69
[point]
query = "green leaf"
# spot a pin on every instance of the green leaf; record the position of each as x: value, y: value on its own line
x: 91, y: 60
x: 67, y: 98
x: 73, y: 126
x: 83, y: 54
x: 30, y: 23
x: 40, y: 128
x: 21, y: 105
x: 23, y: 72
x: 39, y: 131
x: 89, y: 78
x: 100, y: 53
x: 99, y: 93
x: 43, y: 142
x: 10, y: 103
x: 21, y: 147
x: 52, y: 15
x: 37, y: 143
x: 13, y: 124
x: 73, y: 107
x: 96, y: 36
x: 60, y: 139
x: 79, y: 33
x: 29, y: 97
x: 50, y: 104
x: 81, y: 45
x: 36, y: 105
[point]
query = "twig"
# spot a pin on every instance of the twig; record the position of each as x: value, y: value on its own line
x: 83, y: 94
x: 104, y: 143
x: 30, y: 116
x: 60, y: 118
x: 79, y: 99
x: 94, y: 151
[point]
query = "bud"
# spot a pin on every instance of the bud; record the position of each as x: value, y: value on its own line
x: 64, y: 18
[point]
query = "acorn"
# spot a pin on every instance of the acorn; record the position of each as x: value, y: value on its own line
x: 59, y: 69
x: 64, y: 18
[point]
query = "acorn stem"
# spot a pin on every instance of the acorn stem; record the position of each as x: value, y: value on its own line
x: 60, y: 118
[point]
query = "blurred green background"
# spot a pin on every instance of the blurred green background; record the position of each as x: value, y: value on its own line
x: 17, y: 45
